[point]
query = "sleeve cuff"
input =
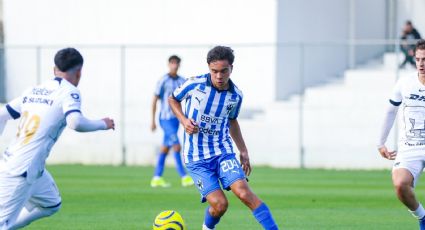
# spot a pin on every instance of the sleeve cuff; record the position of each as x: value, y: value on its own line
x: 395, y: 103
x: 13, y: 113
x: 175, y: 98
x: 72, y: 111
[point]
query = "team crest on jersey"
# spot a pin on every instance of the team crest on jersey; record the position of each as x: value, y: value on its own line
x: 229, y: 108
x: 75, y: 96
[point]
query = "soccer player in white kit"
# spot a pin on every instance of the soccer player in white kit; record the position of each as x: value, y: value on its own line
x: 27, y: 190
x: 409, y: 95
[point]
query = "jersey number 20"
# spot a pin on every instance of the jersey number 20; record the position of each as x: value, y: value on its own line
x: 28, y: 127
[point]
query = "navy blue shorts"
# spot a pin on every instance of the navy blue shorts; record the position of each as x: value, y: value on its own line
x: 215, y: 173
x: 170, y: 128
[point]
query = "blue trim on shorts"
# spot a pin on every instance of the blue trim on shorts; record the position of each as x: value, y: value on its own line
x: 54, y: 206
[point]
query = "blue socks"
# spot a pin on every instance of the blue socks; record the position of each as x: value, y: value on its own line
x: 159, y: 170
x: 264, y: 217
x: 262, y: 214
x: 210, y: 221
x: 179, y: 164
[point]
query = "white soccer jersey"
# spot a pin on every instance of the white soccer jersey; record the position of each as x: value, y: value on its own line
x: 211, y: 109
x: 42, y: 111
x: 409, y: 94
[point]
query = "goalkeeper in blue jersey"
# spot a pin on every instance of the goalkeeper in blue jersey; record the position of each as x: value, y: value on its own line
x: 210, y: 121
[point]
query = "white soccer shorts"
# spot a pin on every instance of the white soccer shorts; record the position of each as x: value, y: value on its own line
x: 16, y: 192
x: 413, y: 162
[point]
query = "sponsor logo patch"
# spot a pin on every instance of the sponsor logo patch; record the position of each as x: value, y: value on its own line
x: 417, y: 97
x: 200, y: 184
x: 75, y: 96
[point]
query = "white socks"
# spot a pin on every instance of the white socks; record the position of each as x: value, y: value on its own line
x: 206, y: 228
x: 419, y: 213
x: 30, y: 213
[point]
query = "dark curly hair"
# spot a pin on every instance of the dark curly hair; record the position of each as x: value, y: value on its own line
x: 219, y: 53
x: 67, y: 59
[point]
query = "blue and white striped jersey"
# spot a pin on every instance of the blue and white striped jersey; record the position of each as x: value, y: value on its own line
x: 164, y: 88
x: 211, y: 109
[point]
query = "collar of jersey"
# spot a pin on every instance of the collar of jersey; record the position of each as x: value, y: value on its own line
x: 230, y: 89
x: 58, y: 79
x: 173, y: 78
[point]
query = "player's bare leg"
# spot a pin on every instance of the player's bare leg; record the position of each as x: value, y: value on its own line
x: 241, y: 189
x: 177, y: 148
x: 259, y: 209
x: 403, y: 185
x: 217, y: 207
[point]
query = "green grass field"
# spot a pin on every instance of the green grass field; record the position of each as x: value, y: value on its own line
x: 106, y: 197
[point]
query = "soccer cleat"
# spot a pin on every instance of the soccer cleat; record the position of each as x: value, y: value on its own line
x: 159, y: 182
x: 422, y: 224
x: 187, y: 181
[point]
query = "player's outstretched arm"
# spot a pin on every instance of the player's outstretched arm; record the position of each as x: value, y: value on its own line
x: 79, y: 123
x: 190, y: 125
x: 236, y: 134
x: 389, y: 119
x: 71, y: 106
x: 154, y: 102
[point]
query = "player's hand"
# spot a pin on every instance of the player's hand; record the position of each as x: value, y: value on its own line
x: 246, y: 166
x: 387, y: 154
x: 190, y: 126
x: 110, y: 124
x: 153, y: 126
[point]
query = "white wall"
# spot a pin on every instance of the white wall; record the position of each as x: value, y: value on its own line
x: 411, y: 10
x: 310, y: 21
x: 326, y: 26
x: 62, y: 22
x: 57, y: 23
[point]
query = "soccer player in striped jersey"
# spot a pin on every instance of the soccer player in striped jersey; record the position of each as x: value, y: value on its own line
x: 27, y: 190
x: 210, y: 120
x: 169, y: 124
